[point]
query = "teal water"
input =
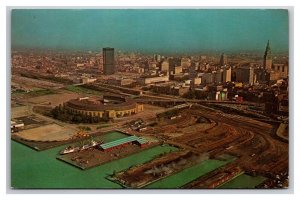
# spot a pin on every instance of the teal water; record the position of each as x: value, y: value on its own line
x: 33, y: 169
x: 243, y: 181
x: 189, y: 174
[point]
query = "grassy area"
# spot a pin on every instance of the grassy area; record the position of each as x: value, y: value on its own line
x: 243, y: 181
x: 32, y: 169
x: 34, y: 92
x: 85, y: 128
x: 103, y: 126
x: 188, y: 175
x: 41, y: 92
x: 18, y: 91
x: 81, y: 90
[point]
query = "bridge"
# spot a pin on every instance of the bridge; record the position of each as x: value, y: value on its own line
x: 152, y: 99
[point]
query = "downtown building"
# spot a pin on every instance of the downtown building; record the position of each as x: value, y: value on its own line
x: 273, y: 71
x: 268, y: 58
x: 223, y: 60
x: 245, y: 74
x: 108, y: 61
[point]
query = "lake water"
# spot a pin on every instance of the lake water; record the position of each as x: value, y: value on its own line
x: 33, y: 169
x: 187, y: 175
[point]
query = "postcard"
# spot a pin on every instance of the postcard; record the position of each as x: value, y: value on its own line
x: 149, y: 99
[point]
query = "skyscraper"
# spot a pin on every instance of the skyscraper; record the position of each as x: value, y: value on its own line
x: 227, y: 75
x: 245, y: 74
x: 108, y: 61
x: 268, y: 58
x: 223, y: 59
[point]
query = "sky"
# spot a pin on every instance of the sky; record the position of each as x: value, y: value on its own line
x: 160, y: 30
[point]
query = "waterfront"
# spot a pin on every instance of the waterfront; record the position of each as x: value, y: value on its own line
x: 243, y: 181
x: 32, y: 169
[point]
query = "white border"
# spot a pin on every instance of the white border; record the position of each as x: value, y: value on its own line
x: 141, y: 4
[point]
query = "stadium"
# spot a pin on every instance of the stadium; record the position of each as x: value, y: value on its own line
x: 105, y: 107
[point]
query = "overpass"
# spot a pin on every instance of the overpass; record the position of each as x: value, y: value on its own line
x: 151, y: 97
x: 175, y: 100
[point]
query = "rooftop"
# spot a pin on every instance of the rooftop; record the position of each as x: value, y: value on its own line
x: 107, y: 103
x: 123, y: 141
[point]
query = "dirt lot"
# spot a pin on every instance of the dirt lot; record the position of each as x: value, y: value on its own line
x: 149, y: 113
x: 31, y: 121
x: 41, y: 145
x: 50, y: 132
x: 29, y: 83
x: 53, y: 99
x: 19, y: 111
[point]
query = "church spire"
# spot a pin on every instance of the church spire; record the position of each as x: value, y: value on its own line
x: 268, y: 46
x: 268, y: 57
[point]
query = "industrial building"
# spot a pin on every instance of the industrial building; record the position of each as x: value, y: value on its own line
x: 153, y: 79
x: 177, y: 90
x: 123, y: 142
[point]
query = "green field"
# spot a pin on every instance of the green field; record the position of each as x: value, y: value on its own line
x: 41, y: 92
x: 82, y: 90
x: 189, y: 174
x: 103, y: 126
x: 32, y: 169
x: 243, y: 181
x: 35, y: 92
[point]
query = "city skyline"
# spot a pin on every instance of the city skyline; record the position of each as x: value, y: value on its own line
x: 163, y: 31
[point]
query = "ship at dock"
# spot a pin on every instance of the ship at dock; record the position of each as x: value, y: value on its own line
x: 72, y: 149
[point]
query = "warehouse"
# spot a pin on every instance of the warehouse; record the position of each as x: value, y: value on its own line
x: 123, y: 142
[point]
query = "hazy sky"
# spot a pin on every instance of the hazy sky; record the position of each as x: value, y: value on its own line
x: 151, y: 30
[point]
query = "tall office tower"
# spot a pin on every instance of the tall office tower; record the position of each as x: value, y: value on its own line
x: 108, y: 61
x: 268, y: 58
x: 173, y: 62
x: 245, y: 74
x: 164, y: 66
x: 227, y: 75
x: 219, y: 76
x: 223, y: 59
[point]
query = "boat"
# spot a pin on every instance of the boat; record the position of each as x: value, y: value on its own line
x: 90, y: 145
x: 71, y: 149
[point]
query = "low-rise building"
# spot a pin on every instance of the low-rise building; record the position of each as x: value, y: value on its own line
x: 178, y: 70
x: 178, y: 90
x: 153, y: 79
x: 85, y: 80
